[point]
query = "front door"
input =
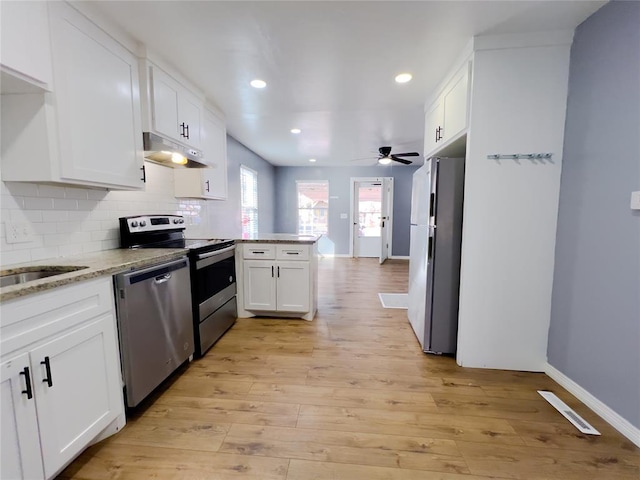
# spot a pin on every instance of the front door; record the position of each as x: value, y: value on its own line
x: 371, y: 204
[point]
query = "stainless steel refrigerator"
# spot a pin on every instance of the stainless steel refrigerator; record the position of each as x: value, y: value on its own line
x: 434, y: 258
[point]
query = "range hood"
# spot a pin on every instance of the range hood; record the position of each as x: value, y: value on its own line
x: 166, y: 152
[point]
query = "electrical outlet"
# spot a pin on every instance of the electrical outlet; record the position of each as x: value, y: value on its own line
x: 18, y: 232
x: 635, y: 200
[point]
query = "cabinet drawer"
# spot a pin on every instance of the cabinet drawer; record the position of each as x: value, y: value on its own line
x: 30, y: 319
x: 259, y: 250
x: 292, y: 252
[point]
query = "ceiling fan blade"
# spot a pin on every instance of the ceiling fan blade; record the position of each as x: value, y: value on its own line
x: 401, y: 160
x: 410, y: 154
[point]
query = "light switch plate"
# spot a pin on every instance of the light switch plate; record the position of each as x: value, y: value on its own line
x: 343, y: 216
x: 635, y: 200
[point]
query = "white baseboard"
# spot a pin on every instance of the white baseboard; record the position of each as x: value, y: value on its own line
x: 399, y: 257
x: 606, y: 413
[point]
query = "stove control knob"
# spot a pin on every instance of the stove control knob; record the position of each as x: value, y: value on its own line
x: 142, y: 223
x: 175, y: 220
x: 181, y: 220
x: 134, y: 224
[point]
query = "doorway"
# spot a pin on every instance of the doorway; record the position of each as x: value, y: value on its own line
x: 371, y: 207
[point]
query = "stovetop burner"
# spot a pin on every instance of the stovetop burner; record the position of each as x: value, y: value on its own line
x: 162, y: 231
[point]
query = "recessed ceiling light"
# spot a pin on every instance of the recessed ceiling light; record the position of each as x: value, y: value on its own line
x: 312, y: 160
x: 257, y: 83
x: 295, y: 130
x: 403, y: 77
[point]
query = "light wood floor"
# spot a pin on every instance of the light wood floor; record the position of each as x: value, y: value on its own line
x: 350, y: 396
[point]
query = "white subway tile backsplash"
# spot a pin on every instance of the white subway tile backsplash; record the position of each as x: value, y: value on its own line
x: 69, y: 221
x: 15, y: 256
x: 44, y: 253
x: 50, y: 191
x: 22, y: 189
x: 38, y: 203
x: 55, y: 216
x: 77, y: 193
x: 65, y: 204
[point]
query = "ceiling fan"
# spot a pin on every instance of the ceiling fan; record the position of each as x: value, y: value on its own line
x: 386, y: 156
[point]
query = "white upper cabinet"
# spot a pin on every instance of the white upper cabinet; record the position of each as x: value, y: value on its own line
x: 175, y: 112
x: 88, y: 131
x: 209, y: 183
x: 447, y: 117
x: 25, y: 53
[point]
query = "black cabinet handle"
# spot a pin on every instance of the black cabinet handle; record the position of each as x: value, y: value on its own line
x: 183, y: 126
x: 27, y: 379
x: 187, y: 135
x: 278, y: 271
x: 272, y: 271
x: 207, y: 183
x: 47, y: 366
x: 144, y: 174
x: 436, y: 135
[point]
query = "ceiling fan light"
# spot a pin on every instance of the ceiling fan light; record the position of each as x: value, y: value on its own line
x: 404, y: 77
x: 384, y: 161
x: 257, y: 83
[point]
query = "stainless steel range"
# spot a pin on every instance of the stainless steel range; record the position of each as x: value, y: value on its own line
x: 212, y: 271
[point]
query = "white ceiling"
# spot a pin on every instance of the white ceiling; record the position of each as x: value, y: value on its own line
x: 329, y: 65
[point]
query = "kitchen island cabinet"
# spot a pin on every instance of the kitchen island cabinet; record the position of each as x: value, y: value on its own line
x: 277, y: 275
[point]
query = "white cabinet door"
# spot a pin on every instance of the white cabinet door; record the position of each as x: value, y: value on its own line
x: 259, y: 285
x: 76, y: 389
x: 214, y: 147
x: 20, y: 439
x: 175, y: 112
x: 97, y: 102
x: 293, y: 286
x: 455, y: 101
x: 190, y: 116
x: 433, y: 126
x: 24, y: 43
x: 164, y: 104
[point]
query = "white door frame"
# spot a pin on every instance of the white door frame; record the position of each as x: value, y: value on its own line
x: 352, y: 196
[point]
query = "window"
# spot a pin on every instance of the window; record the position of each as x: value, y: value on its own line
x: 249, y: 201
x: 313, y: 207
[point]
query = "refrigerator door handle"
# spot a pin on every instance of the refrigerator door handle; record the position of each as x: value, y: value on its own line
x: 430, y: 249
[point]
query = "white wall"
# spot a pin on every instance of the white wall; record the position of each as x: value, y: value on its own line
x: 518, y: 104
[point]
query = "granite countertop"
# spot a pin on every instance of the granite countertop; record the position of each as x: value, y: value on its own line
x: 280, y: 238
x: 107, y: 262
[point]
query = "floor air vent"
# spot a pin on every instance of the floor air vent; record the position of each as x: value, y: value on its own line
x: 577, y: 421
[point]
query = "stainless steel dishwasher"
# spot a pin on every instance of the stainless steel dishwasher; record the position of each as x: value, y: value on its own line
x: 155, y: 325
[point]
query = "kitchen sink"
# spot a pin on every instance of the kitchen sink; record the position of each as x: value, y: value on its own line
x: 34, y: 273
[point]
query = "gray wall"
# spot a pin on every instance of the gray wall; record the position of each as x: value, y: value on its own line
x: 339, y: 186
x: 594, y: 337
x: 225, y: 215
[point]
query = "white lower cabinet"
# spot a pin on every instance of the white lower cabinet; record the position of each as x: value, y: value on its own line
x: 277, y: 279
x: 276, y: 286
x: 59, y: 390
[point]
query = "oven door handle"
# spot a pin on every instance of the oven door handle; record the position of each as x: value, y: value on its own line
x: 202, y: 256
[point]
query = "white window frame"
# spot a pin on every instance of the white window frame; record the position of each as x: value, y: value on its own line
x: 298, y: 208
x: 248, y: 206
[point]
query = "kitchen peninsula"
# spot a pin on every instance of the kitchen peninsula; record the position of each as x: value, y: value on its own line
x: 277, y: 275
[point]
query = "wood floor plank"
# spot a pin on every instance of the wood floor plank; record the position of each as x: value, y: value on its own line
x: 341, y: 447
x: 535, y: 463
x: 191, y: 434
x: 137, y: 463
x: 437, y: 425
x: 343, y: 397
x: 309, y: 470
